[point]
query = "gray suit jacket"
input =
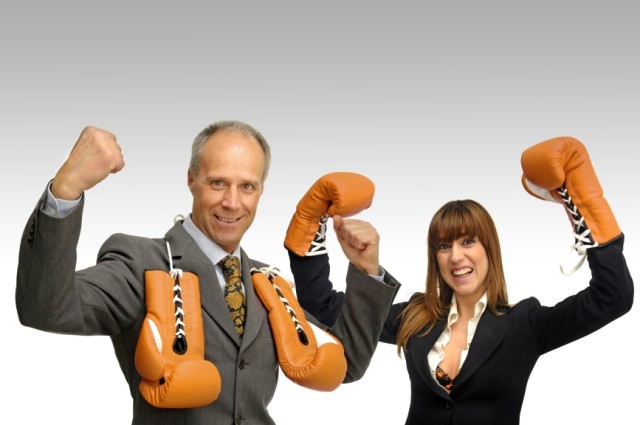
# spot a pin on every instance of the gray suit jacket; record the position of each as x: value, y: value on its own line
x: 108, y: 299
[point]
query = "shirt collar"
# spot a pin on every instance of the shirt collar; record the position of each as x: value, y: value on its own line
x: 211, y: 249
x: 478, y: 310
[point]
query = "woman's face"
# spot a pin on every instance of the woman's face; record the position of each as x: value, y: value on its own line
x: 464, y: 265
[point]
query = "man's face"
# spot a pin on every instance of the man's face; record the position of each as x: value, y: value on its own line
x: 227, y: 187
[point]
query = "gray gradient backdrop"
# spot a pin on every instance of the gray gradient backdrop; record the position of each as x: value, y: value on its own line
x: 431, y: 101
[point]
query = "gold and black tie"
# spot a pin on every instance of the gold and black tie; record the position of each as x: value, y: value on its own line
x: 233, y: 294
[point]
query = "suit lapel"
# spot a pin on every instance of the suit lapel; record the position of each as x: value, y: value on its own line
x: 256, y: 314
x: 423, y: 345
x: 489, y: 333
x: 188, y: 256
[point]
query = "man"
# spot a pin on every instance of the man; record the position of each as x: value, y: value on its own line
x: 229, y: 164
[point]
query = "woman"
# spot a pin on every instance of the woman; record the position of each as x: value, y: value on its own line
x: 469, y: 353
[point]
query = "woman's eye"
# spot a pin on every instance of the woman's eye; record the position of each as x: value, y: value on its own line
x: 443, y: 245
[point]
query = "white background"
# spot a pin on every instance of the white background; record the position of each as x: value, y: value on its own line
x: 433, y: 102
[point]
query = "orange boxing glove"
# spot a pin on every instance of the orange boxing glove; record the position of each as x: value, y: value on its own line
x: 308, y: 356
x: 170, y: 349
x: 339, y: 193
x: 560, y: 170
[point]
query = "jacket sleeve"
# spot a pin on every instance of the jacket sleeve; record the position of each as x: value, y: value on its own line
x: 52, y: 296
x: 359, y: 323
x: 314, y: 289
x: 608, y: 296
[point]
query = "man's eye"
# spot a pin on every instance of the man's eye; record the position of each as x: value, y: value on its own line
x: 217, y: 183
x: 248, y: 187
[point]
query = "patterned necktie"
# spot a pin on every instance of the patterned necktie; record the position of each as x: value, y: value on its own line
x: 233, y: 291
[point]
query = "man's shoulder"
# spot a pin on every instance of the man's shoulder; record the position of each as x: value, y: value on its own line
x: 141, y: 245
x: 258, y: 264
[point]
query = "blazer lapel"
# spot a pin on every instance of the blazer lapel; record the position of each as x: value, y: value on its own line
x: 256, y: 313
x: 188, y: 256
x: 489, y: 333
x: 423, y: 345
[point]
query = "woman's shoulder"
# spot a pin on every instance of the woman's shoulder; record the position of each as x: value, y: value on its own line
x: 524, y: 304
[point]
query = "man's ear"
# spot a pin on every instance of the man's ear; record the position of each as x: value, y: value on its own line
x: 190, y: 179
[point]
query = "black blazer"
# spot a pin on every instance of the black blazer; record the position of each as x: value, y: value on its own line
x: 491, y: 384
